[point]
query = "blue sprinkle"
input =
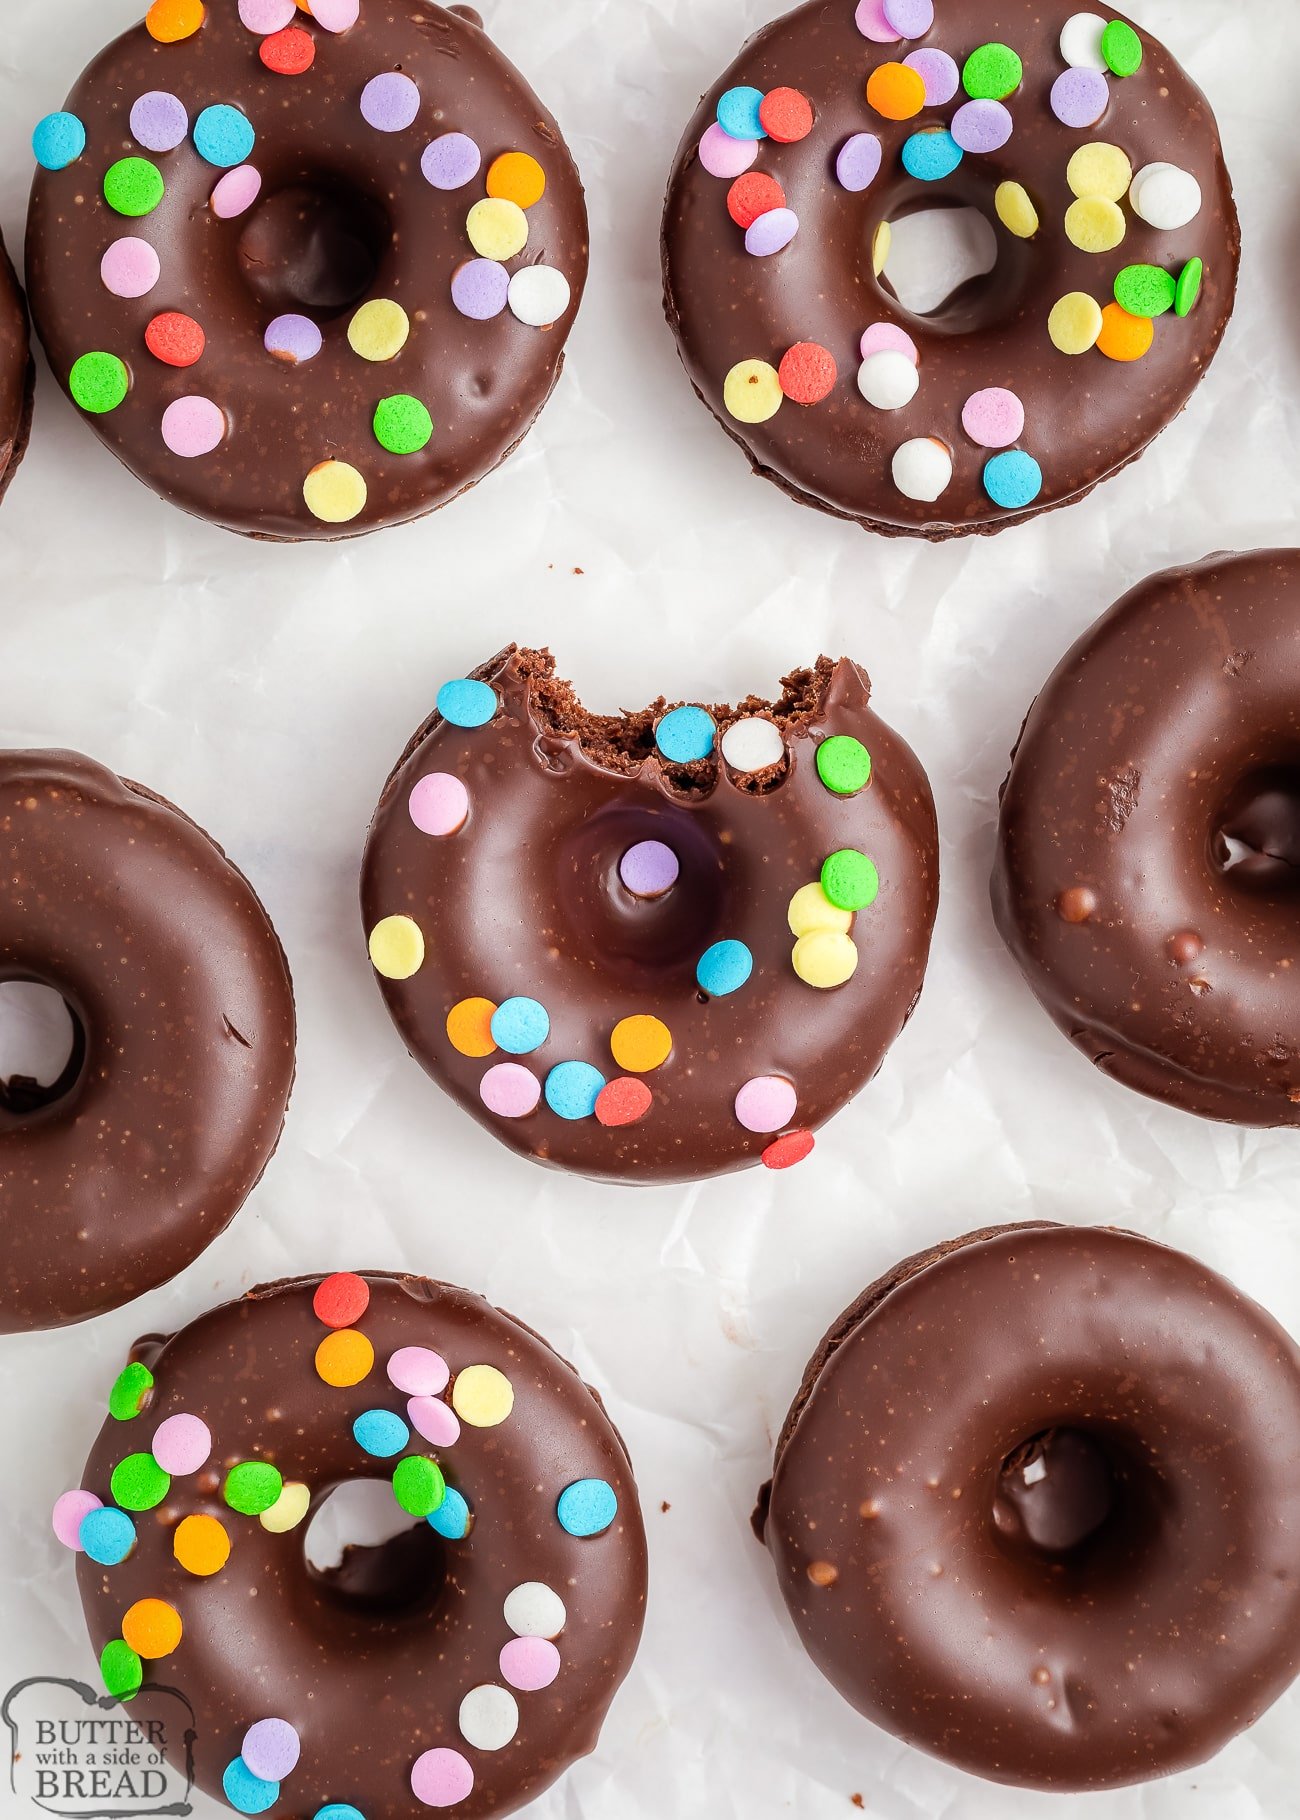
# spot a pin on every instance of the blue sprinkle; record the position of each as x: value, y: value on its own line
x: 107, y: 1535
x: 466, y: 703
x: 587, y: 1508
x: 451, y: 1519
x: 724, y: 968
x: 685, y: 735
x: 572, y: 1089
x: 1013, y: 480
x: 931, y: 156
x: 247, y: 1793
x: 59, y: 140
x: 338, y: 1810
x: 520, y: 1025
x: 381, y: 1433
x: 223, y: 136
x: 738, y: 113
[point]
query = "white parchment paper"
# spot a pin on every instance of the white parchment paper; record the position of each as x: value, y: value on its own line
x: 268, y: 690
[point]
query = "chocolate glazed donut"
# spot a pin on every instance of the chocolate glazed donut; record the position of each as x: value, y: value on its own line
x: 312, y: 281
x: 1147, y: 878
x: 17, y: 374
x: 1029, y: 385
x: 466, y: 1662
x: 121, y: 1172
x: 1035, y: 1508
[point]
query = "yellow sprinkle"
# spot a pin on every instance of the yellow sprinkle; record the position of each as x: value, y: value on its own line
x: 335, y: 492
x: 1075, y: 323
x: 880, y: 247
x: 515, y: 177
x: 824, y: 958
x: 752, y: 392
x: 1099, y: 170
x: 1094, y: 225
x: 344, y: 1357
x: 641, y: 1043
x: 811, y: 909
x: 482, y: 1396
x: 201, y: 1545
x: 1016, y: 210
x: 379, y: 329
x: 497, y: 228
x: 288, y: 1510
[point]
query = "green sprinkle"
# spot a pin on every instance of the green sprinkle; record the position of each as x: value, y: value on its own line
x: 402, y: 425
x: 1188, y: 288
x: 252, y: 1487
x: 1145, y: 290
x: 121, y: 1668
x: 127, y: 1397
x: 1122, y: 48
x: 133, y: 186
x: 99, y: 383
x: 139, y: 1482
x: 844, y: 764
x: 418, y: 1485
x: 992, y: 73
x: 850, y: 880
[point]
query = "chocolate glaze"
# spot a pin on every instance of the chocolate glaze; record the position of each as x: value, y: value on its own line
x: 1146, y: 875
x: 340, y: 201
x: 371, y: 1684
x: 17, y: 373
x: 527, y: 899
x: 1086, y: 416
x: 173, y: 1100
x: 1134, y: 1601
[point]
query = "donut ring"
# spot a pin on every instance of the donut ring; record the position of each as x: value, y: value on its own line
x: 310, y: 281
x: 1002, y: 403
x: 173, y: 1099
x: 396, y: 1680
x: 17, y: 374
x: 609, y: 937
x: 1052, y: 1543
x: 1148, y: 855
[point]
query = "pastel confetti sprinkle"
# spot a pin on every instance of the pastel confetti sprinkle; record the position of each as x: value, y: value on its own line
x: 488, y: 1717
x: 738, y: 113
x: 1122, y: 49
x: 418, y: 1485
x: 1013, y: 480
x: 858, y: 163
x: 992, y: 72
x: 236, y: 192
x: 931, y: 155
x: 159, y: 121
x: 201, y: 1545
x: 288, y: 1510
x: 380, y: 1433
x: 482, y: 1396
x: 70, y: 1509
x: 520, y: 1025
x: 223, y: 136
x: 572, y: 1089
x: 390, y: 102
x: 723, y: 156
x: 723, y: 968
x: 811, y: 909
x: 825, y: 959
x: 1075, y: 323
x: 247, y: 1793
x: 121, y: 1670
x: 624, y: 1102
x: 288, y: 53
x: 753, y: 745
x: 871, y: 22
x: 982, y: 126
x: 785, y: 115
x: 752, y: 391
x: 171, y: 21
x: 516, y: 177
x: 469, y: 1027
x: 1095, y: 225
x: 882, y: 241
x: 896, y: 91
x: 888, y: 381
x: 130, y: 1392
x: 641, y: 1043
x: 686, y: 735
x: 152, y: 1628
x: 419, y: 1371
x: 271, y: 1749
x: 480, y: 289
x: 850, y: 880
x: 267, y: 16
x: 341, y: 1300
x: 1165, y: 196
x: 106, y: 1535
x: 1146, y: 290
x: 335, y: 492
x: 252, y: 1487
x: 922, y: 469
x: 379, y: 330
x: 451, y: 161
x: 1080, y: 97
x: 402, y: 424
x: 133, y: 187
x: 529, y: 1664
x: 466, y: 702
x: 534, y: 1610
x: 587, y: 1507
x: 807, y: 373
x: 1015, y: 210
x: 396, y: 948
x: 887, y: 337
x: 433, y: 1421
x: 1123, y: 337
x: 441, y: 1778
x: 909, y: 18
x: 538, y: 296
x: 939, y: 73
x: 130, y: 268
x: 336, y: 15
x: 509, y: 1090
x: 452, y: 1517
x: 294, y: 339
x: 182, y: 1444
x: 58, y: 141
x: 788, y: 1150
x: 1100, y: 170
x: 753, y: 195
x: 139, y: 1483
x: 766, y: 1103
x: 1081, y: 37
x: 439, y: 804
x: 1188, y: 288
x: 339, y: 1810
x: 344, y: 1358
x: 497, y: 229
x: 193, y: 426
x: 771, y: 233
x: 843, y: 764
x: 649, y: 868
x: 994, y: 418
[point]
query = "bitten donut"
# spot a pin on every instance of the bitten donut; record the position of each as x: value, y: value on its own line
x: 651, y: 946
x: 114, y: 1177
x: 1148, y: 862
x: 1096, y: 161
x: 1034, y: 1508
x: 17, y: 374
x: 463, y: 1664
x: 306, y: 273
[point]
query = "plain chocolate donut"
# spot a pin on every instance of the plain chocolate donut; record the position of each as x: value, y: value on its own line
x: 476, y: 1653
x: 1035, y: 1507
x: 1148, y: 865
x: 172, y: 1101
x: 17, y: 373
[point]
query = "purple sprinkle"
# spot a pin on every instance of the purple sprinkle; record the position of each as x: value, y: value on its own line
x: 271, y: 1748
x: 771, y: 233
x: 982, y: 126
x: 1080, y: 97
x: 910, y: 18
x: 293, y: 339
x: 479, y: 289
x: 159, y: 121
x: 451, y: 161
x: 859, y: 161
x: 390, y: 102
x: 939, y: 73
x: 649, y: 869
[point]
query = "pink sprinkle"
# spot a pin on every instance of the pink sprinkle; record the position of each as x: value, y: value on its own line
x: 419, y: 1371
x: 192, y: 426
x: 68, y: 1513
x: 939, y: 73
x: 130, y: 267
x: 887, y: 337
x: 335, y: 15
x: 441, y: 1778
x: 439, y: 804
x: 182, y: 1444
x: 510, y: 1090
x: 236, y: 191
x: 766, y: 1103
x: 723, y: 156
x: 432, y: 1419
x: 994, y: 418
x: 872, y: 23
x: 529, y: 1664
x: 267, y: 16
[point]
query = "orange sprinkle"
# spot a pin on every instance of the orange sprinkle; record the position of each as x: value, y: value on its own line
x: 641, y: 1043
x: 515, y: 177
x: 201, y: 1545
x: 344, y: 1357
x: 896, y: 91
x: 1124, y: 337
x: 152, y: 1628
x: 171, y: 20
x: 469, y: 1026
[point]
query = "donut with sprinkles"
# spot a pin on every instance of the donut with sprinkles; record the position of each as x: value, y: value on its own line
x: 308, y: 271
x: 651, y: 947
x: 17, y: 374
x: 463, y: 1662
x: 1096, y: 164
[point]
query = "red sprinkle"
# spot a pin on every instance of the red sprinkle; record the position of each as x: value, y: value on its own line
x: 807, y: 372
x: 176, y: 340
x: 623, y: 1101
x: 341, y: 1299
x: 785, y: 115
x: 788, y: 1150
x: 288, y: 53
x: 753, y: 195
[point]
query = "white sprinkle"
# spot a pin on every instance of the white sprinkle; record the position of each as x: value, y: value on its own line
x: 1081, y: 41
x: 489, y: 1717
x: 888, y: 380
x: 538, y: 295
x: 752, y: 745
x: 922, y: 468
x: 533, y: 1610
x: 1165, y: 196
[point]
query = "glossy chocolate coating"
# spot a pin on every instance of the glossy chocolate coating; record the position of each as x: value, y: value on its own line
x: 175, y: 1094
x: 1136, y: 1602
x: 1086, y: 416
x: 1148, y: 865
x: 339, y: 200
x: 527, y: 899
x: 17, y: 373
x: 371, y: 1684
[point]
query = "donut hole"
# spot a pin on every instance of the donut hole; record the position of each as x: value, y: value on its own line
x: 947, y: 265
x: 42, y: 1047
x: 1255, y: 840
x: 660, y: 932
x: 313, y: 247
x: 367, y: 1559
x: 1070, y: 1498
